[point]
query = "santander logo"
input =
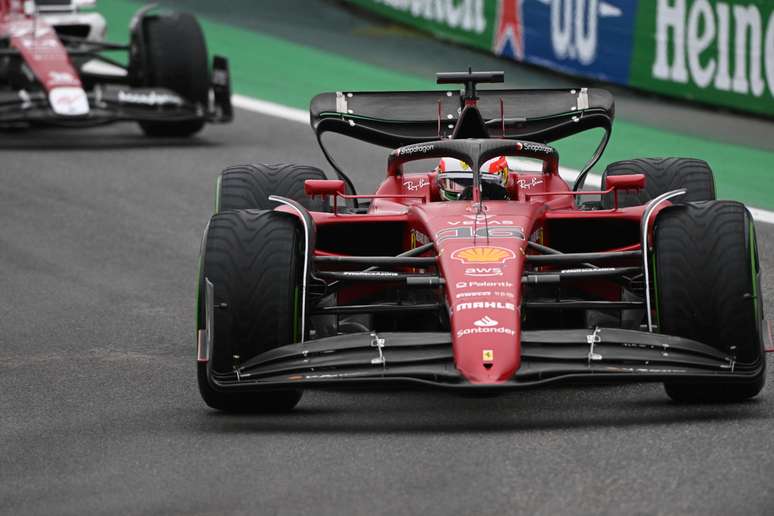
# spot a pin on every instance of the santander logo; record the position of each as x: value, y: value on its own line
x: 485, y: 322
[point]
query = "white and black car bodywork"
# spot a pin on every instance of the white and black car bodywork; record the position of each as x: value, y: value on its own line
x: 49, y: 75
x: 75, y: 18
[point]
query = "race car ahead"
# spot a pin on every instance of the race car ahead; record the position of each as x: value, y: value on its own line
x: 486, y: 276
x: 57, y: 75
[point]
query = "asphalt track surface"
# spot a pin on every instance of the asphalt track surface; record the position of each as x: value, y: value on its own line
x: 99, y: 409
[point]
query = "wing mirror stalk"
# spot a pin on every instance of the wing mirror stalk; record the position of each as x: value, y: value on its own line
x: 624, y: 182
x: 325, y: 188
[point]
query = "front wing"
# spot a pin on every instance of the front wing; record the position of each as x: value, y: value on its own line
x: 119, y: 102
x: 372, y: 360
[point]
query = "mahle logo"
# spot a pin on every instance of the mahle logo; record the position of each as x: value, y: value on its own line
x: 727, y: 46
x: 467, y: 15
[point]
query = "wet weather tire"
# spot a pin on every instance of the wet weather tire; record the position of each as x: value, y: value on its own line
x: 254, y: 262
x: 243, y: 187
x: 662, y: 175
x: 174, y: 56
x: 707, y: 287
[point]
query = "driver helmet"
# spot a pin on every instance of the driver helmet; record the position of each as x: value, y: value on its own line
x: 455, y: 177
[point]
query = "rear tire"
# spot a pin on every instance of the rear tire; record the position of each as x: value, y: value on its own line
x: 254, y: 262
x: 244, y: 187
x: 168, y: 63
x: 707, y: 277
x: 662, y: 175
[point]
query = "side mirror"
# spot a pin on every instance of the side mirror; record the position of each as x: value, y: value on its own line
x: 626, y: 182
x: 324, y: 187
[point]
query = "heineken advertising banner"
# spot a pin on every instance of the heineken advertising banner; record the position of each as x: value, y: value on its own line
x: 716, y: 51
x: 720, y: 52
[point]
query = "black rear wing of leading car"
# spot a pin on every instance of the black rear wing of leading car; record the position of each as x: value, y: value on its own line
x: 398, y: 118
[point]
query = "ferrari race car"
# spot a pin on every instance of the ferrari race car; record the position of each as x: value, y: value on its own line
x: 471, y: 280
x: 51, y: 75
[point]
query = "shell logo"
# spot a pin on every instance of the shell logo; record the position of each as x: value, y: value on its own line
x: 483, y: 254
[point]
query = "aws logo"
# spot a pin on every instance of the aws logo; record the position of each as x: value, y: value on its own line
x: 483, y: 271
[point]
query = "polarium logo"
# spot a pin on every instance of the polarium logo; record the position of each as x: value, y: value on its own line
x: 574, y: 27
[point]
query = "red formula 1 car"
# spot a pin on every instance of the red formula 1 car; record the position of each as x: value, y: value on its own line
x: 53, y: 75
x: 489, y: 275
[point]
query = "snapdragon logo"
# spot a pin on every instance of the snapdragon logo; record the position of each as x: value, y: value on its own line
x: 728, y: 46
x: 413, y: 149
x: 534, y: 147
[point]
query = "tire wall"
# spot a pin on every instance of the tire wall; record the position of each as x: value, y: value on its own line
x: 718, y: 52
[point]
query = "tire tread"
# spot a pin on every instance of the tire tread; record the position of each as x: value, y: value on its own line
x: 249, y: 186
x: 182, y: 68
x: 663, y: 175
x: 706, y: 290
x: 251, y: 258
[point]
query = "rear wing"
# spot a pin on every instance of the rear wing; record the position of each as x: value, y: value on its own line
x: 395, y: 119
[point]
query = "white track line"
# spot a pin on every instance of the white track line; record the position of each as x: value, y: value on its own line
x: 270, y: 108
x: 762, y: 215
x: 299, y: 115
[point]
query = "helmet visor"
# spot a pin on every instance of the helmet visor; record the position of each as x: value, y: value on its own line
x: 457, y: 182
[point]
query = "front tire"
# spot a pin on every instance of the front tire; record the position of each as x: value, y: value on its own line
x: 254, y: 262
x: 708, y: 289
x: 244, y: 187
x: 174, y: 56
x: 662, y: 175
